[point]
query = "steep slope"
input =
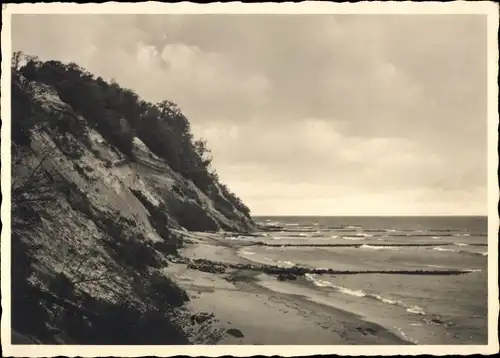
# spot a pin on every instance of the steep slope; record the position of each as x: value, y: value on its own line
x: 96, y: 215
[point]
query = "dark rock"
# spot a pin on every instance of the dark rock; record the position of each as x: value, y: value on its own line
x: 370, y: 330
x: 286, y: 276
x: 235, y: 333
x: 207, y: 266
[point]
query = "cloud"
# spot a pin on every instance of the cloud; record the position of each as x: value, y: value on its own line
x: 307, y: 114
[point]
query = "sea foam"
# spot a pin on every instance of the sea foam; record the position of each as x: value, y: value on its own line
x: 365, y: 246
x: 364, y: 234
x: 361, y: 294
x: 443, y: 249
x: 460, y: 251
x: 353, y: 237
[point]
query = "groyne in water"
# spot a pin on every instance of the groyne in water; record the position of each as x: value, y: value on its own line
x: 290, y: 272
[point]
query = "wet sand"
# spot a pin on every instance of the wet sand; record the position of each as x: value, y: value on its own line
x: 257, y: 309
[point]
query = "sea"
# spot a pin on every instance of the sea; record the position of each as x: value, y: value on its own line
x: 425, y: 305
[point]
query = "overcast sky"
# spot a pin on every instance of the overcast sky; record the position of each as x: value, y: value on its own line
x: 319, y: 115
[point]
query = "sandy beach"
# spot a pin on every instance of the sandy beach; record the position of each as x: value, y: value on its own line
x: 255, y: 308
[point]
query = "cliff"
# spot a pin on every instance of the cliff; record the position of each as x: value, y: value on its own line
x: 104, y: 185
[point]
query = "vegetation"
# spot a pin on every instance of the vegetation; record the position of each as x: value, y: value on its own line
x: 67, y: 313
x: 119, y: 115
x: 63, y: 312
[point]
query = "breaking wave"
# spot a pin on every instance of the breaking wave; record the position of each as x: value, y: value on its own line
x: 364, y: 234
x: 460, y: 251
x: 353, y: 237
x: 443, y: 249
x: 378, y: 247
x: 359, y: 293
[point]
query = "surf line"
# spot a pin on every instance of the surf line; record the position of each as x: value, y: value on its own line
x: 260, y: 243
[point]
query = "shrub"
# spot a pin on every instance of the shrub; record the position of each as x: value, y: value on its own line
x: 135, y: 253
x: 164, y: 293
x: 101, y: 322
x: 166, y: 247
x: 62, y: 286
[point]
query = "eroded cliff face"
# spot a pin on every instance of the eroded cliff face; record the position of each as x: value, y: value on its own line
x: 93, y: 230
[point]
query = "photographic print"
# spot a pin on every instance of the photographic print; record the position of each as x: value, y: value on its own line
x: 238, y: 179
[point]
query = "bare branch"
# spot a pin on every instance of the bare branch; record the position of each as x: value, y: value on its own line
x: 100, y: 278
x: 34, y: 172
x: 84, y: 259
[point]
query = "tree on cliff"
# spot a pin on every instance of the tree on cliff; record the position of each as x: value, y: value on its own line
x: 120, y: 115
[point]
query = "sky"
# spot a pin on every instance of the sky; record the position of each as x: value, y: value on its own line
x: 306, y: 114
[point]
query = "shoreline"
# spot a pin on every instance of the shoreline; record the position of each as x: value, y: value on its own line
x: 250, y: 309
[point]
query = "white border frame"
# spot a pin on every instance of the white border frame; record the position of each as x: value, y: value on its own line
x: 489, y: 9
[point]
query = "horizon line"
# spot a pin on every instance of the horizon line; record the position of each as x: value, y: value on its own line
x: 375, y: 215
